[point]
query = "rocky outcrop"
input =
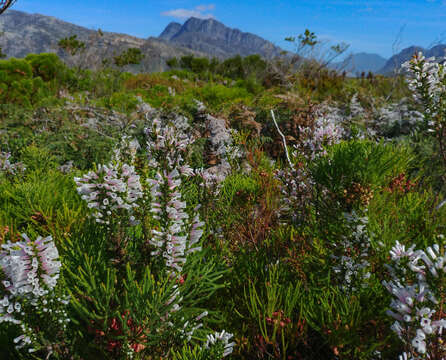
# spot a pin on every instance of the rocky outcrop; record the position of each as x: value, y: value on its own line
x: 214, y: 38
x: 170, y: 31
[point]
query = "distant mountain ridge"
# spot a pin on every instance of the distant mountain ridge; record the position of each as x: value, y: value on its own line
x: 395, y: 62
x: 216, y: 39
x: 356, y: 64
x: 26, y: 33
x: 363, y: 62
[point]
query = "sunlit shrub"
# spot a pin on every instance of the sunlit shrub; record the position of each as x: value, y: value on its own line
x: 47, y: 66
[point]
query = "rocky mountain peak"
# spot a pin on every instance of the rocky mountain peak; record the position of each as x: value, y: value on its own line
x: 213, y: 37
x: 170, y: 31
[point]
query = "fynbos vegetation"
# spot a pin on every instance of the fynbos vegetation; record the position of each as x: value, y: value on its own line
x: 238, y: 208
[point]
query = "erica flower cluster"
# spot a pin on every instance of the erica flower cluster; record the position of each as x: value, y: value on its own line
x: 173, y: 241
x: 355, y: 107
x: 127, y: 149
x: 297, y: 184
x: 398, y: 114
x: 167, y: 144
x: 178, y: 234
x: 417, y: 284
x: 427, y: 82
x: 297, y: 191
x: 30, y: 267
x: 352, y: 253
x: 221, y: 340
x: 109, y: 189
x: 314, y: 140
x: 221, y: 148
x: 7, y: 167
x: 31, y: 270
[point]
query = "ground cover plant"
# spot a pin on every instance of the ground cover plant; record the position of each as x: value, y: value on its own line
x: 220, y: 210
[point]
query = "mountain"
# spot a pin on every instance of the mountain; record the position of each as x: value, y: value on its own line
x: 362, y: 62
x: 214, y: 38
x: 26, y: 33
x: 170, y: 31
x: 395, y: 62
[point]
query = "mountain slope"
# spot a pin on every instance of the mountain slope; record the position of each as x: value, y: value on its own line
x: 395, y: 62
x: 26, y: 33
x: 170, y: 31
x: 214, y: 38
x: 361, y: 62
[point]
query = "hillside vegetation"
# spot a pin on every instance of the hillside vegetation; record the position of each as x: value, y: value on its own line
x: 241, y: 209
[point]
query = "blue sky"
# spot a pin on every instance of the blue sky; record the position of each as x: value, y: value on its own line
x: 369, y: 26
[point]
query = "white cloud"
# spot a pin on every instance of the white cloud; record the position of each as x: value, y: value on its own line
x: 200, y: 12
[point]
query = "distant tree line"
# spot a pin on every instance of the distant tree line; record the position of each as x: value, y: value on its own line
x: 237, y: 67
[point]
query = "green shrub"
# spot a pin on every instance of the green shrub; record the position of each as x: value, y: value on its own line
x: 360, y: 161
x: 120, y: 101
x: 15, y: 70
x: 17, y: 84
x: 352, y: 171
x: 218, y: 95
x: 42, y: 203
x: 47, y: 66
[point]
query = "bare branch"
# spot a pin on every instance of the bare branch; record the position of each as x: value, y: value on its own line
x: 4, y: 4
x: 283, y: 138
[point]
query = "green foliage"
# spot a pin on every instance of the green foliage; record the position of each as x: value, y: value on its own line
x: 47, y: 66
x: 32, y: 81
x: 410, y: 218
x: 42, y: 203
x: 17, y: 84
x: 273, y: 308
x: 131, y: 56
x: 238, y: 188
x: 196, y: 65
x: 365, y: 162
x: 353, y: 170
x: 121, y: 101
x: 308, y: 38
x: 249, y: 70
x: 215, y: 95
x: 343, y: 321
x: 172, y: 63
x: 269, y: 281
x: 72, y: 45
x: 15, y: 70
x: 199, y: 353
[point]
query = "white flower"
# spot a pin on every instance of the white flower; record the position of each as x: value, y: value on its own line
x: 221, y: 337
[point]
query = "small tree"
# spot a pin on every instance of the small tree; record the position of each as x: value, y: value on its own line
x: 2, y: 54
x: 71, y: 45
x: 309, y: 47
x: 172, y: 63
x: 131, y: 56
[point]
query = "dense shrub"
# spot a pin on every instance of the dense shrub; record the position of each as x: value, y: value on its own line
x: 48, y: 67
x: 206, y: 226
